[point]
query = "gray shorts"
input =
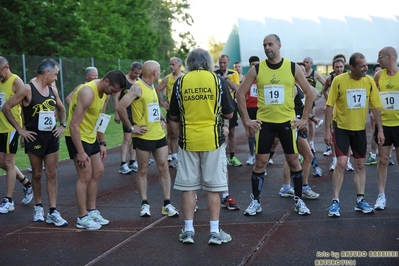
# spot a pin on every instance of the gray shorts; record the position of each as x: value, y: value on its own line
x: 206, y: 170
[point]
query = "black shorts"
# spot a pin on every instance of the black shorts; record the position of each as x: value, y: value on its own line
x: 391, y: 136
x: 233, y: 122
x: 9, y: 142
x: 149, y: 145
x: 252, y: 112
x: 268, y: 132
x: 357, y: 140
x: 45, y: 143
x: 90, y: 149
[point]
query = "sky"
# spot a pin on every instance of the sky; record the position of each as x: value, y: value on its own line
x: 215, y: 18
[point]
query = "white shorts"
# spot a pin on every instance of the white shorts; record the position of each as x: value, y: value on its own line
x: 206, y: 170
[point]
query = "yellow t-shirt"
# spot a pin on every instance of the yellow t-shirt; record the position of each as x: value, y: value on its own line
x: 6, y: 93
x: 200, y: 98
x: 92, y: 114
x: 389, y: 95
x: 146, y: 111
x: 351, y: 100
x: 169, y: 86
x: 276, y: 92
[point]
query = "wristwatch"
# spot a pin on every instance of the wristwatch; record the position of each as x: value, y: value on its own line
x: 104, y: 143
x: 63, y: 124
x: 131, y: 129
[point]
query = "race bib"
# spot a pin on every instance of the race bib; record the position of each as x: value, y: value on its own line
x: 390, y: 100
x: 46, y: 120
x: 356, y: 99
x: 253, y: 92
x: 154, y: 112
x: 2, y: 99
x: 274, y: 94
x: 102, y: 123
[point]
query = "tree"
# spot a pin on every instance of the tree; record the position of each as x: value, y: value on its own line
x: 111, y: 29
x: 215, y: 48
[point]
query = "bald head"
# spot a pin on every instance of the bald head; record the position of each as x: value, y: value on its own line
x: 3, y: 61
x: 389, y: 50
x: 151, y: 70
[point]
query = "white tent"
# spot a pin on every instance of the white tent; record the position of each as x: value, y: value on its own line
x: 320, y: 37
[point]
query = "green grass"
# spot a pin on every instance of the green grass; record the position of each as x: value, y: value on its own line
x: 113, y: 135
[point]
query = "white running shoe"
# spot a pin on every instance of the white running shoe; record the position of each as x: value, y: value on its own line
x: 88, y: 223
x: 145, y: 210
x: 309, y: 194
x: 253, y: 208
x: 251, y: 160
x: 56, y: 219
x: 28, y: 192
x: 300, y: 206
x: 96, y: 216
x: 349, y: 166
x: 332, y: 166
x: 380, y: 203
x: 39, y: 214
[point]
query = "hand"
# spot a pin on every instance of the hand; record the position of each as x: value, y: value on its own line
x: 28, y: 136
x: 58, y: 131
x: 225, y: 131
x: 139, y: 129
x: 165, y: 105
x: 103, y: 153
x: 82, y: 159
x: 328, y: 138
x: 299, y: 123
x: 381, y: 138
x: 255, y: 124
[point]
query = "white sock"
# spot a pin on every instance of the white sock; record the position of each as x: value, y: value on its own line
x: 337, y: 199
x: 214, y: 226
x: 334, y: 160
x: 225, y: 195
x: 188, y: 225
x: 174, y: 155
x: 381, y: 195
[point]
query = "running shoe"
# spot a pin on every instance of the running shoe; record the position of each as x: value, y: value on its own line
x: 145, y: 210
x: 333, y: 165
x: 6, y: 206
x: 300, y: 206
x: 390, y: 161
x: 133, y: 166
x: 235, y: 162
x: 370, y: 160
x: 317, y: 171
x: 270, y: 161
x: 253, y: 208
x: 229, y: 203
x: 349, y: 166
x: 124, y: 169
x: 39, y: 214
x: 380, y: 203
x: 88, y: 223
x: 285, y: 193
x: 333, y: 211
x: 219, y: 238
x: 96, y: 216
x: 251, y: 160
x: 328, y: 151
x: 169, y: 210
x: 186, y: 237
x: 364, y: 207
x: 173, y: 163
x: 308, y: 193
x: 56, y: 219
x: 28, y: 195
